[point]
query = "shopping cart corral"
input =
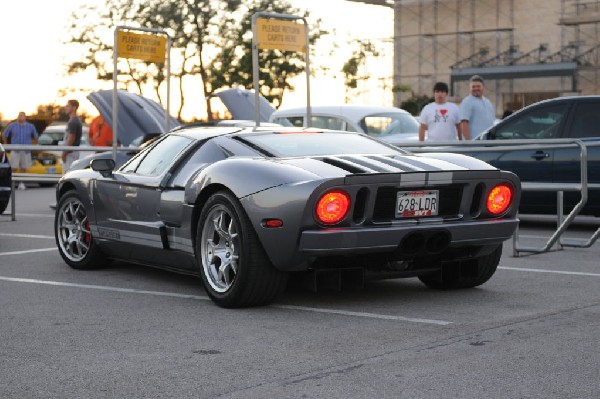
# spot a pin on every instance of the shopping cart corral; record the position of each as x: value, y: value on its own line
x: 45, y: 179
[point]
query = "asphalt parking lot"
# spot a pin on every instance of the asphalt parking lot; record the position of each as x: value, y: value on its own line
x: 126, y: 331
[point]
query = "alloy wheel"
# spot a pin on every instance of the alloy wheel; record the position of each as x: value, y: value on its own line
x: 220, y: 248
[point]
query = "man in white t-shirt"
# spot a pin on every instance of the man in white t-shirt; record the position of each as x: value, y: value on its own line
x: 440, y: 120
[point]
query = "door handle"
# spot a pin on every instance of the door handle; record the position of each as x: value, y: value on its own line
x: 539, y: 155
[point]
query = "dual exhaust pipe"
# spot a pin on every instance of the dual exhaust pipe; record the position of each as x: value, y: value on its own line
x: 424, y: 244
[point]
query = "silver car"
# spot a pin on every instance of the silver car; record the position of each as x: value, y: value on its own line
x: 245, y: 208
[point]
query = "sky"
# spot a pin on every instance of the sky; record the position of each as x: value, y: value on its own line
x: 32, y: 68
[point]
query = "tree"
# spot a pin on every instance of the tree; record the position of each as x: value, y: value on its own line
x: 91, y: 32
x: 414, y: 104
x: 276, y: 68
x: 210, y: 39
x: 357, y: 62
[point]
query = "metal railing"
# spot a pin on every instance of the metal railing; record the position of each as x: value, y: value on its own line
x: 465, y: 147
x: 509, y: 145
x: 50, y: 178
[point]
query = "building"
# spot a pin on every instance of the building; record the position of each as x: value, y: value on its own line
x: 527, y: 50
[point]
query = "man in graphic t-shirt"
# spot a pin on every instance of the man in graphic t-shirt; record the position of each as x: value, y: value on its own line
x: 440, y: 120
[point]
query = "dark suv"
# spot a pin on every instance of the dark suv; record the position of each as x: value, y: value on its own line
x: 564, y: 117
x: 5, y: 180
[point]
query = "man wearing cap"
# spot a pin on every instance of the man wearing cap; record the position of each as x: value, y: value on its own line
x: 440, y: 120
x: 476, y: 111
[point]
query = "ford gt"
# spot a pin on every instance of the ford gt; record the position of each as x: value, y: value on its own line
x: 245, y: 208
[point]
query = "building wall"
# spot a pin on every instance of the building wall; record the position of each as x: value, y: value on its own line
x: 432, y: 35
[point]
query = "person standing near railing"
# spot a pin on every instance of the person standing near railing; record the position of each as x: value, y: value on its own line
x: 476, y: 111
x: 72, y: 134
x: 100, y: 133
x: 440, y: 120
x: 20, y: 132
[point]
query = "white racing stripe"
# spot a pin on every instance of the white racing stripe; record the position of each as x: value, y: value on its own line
x: 29, y: 251
x: 199, y: 297
x: 522, y: 269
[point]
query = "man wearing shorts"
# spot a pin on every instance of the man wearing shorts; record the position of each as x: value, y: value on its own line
x: 20, y: 132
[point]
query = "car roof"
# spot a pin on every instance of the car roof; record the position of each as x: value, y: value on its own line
x: 565, y: 100
x: 352, y: 112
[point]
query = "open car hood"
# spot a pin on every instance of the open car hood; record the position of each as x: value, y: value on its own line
x: 241, y: 104
x: 137, y: 115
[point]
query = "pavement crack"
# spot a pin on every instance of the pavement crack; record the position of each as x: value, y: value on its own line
x: 326, y: 374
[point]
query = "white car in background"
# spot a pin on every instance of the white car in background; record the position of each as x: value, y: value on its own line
x: 379, y: 122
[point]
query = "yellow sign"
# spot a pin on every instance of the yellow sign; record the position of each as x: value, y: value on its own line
x: 277, y: 34
x: 151, y: 48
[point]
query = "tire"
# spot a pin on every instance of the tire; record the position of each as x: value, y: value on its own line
x: 465, y: 273
x: 3, y: 205
x: 73, y: 236
x: 234, y: 266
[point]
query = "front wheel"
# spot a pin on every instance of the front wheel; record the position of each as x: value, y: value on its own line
x: 3, y: 204
x: 465, y: 273
x: 234, y: 266
x: 73, y: 236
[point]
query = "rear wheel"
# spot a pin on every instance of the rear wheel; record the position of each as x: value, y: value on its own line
x: 465, y: 273
x: 234, y: 267
x: 3, y: 204
x: 73, y: 236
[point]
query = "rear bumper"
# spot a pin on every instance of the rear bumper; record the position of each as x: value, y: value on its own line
x: 388, y: 238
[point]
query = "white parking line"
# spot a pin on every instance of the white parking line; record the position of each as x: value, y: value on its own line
x: 25, y: 235
x: 36, y: 215
x: 176, y: 295
x: 29, y: 251
x: 101, y: 287
x: 363, y: 314
x: 521, y: 269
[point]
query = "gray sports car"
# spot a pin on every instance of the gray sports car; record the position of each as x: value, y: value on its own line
x: 245, y: 208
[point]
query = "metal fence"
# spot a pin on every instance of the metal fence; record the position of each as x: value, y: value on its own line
x: 583, y: 186
x: 49, y: 178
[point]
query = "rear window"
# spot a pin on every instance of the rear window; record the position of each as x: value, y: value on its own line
x: 389, y: 123
x: 316, y: 144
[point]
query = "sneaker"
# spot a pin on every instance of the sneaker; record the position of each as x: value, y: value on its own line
x: 22, y: 186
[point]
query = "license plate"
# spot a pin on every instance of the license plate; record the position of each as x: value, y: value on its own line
x: 51, y: 170
x: 417, y: 203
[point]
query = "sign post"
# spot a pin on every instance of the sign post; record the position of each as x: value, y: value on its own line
x: 272, y: 31
x: 154, y: 46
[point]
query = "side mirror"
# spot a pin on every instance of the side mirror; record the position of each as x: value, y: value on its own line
x: 103, y: 165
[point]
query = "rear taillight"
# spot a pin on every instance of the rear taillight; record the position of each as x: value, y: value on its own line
x: 499, y: 199
x: 333, y: 206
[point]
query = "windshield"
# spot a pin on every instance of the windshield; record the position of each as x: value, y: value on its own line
x: 315, y: 144
x: 387, y: 123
